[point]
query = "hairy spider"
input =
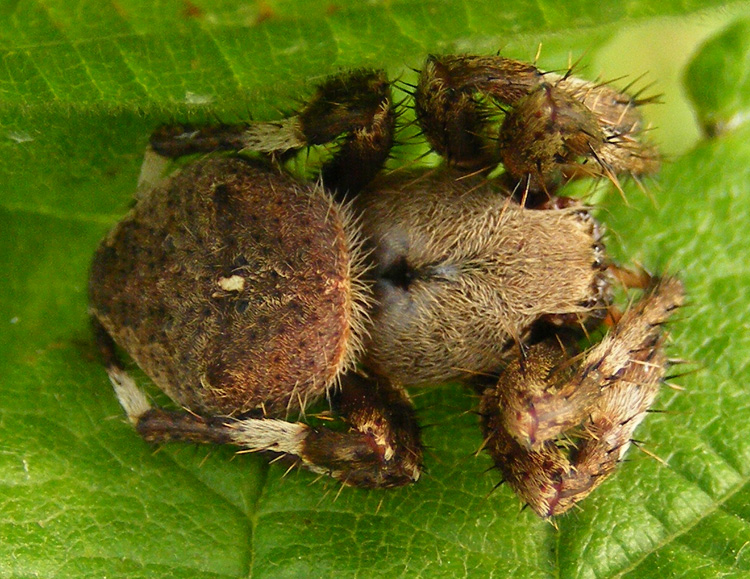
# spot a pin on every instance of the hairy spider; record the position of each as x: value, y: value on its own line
x: 245, y: 294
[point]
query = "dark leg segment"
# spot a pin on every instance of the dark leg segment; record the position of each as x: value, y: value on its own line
x: 543, y: 138
x: 175, y: 141
x: 359, y: 106
x: 382, y: 448
x: 448, y: 108
x: 353, y: 109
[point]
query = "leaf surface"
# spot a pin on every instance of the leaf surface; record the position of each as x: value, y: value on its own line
x: 82, y: 87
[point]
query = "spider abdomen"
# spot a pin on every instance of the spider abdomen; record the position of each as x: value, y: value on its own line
x: 236, y: 277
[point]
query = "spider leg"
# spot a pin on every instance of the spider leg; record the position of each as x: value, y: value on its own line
x: 354, y: 109
x: 453, y: 118
x: 557, y: 427
x: 556, y: 128
x: 381, y: 448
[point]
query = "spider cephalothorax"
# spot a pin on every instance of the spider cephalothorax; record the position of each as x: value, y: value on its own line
x: 245, y: 293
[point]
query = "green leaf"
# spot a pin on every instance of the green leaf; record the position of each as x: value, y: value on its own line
x: 718, y: 80
x: 81, y: 88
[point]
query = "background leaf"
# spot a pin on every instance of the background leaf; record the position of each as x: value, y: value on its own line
x: 82, y: 87
x: 718, y: 80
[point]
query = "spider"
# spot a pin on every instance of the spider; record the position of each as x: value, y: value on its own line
x: 246, y: 294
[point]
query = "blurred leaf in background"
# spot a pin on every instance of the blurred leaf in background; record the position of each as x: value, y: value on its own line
x: 82, y: 86
x: 718, y: 79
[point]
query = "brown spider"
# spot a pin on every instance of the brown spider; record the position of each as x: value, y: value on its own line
x: 246, y: 294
